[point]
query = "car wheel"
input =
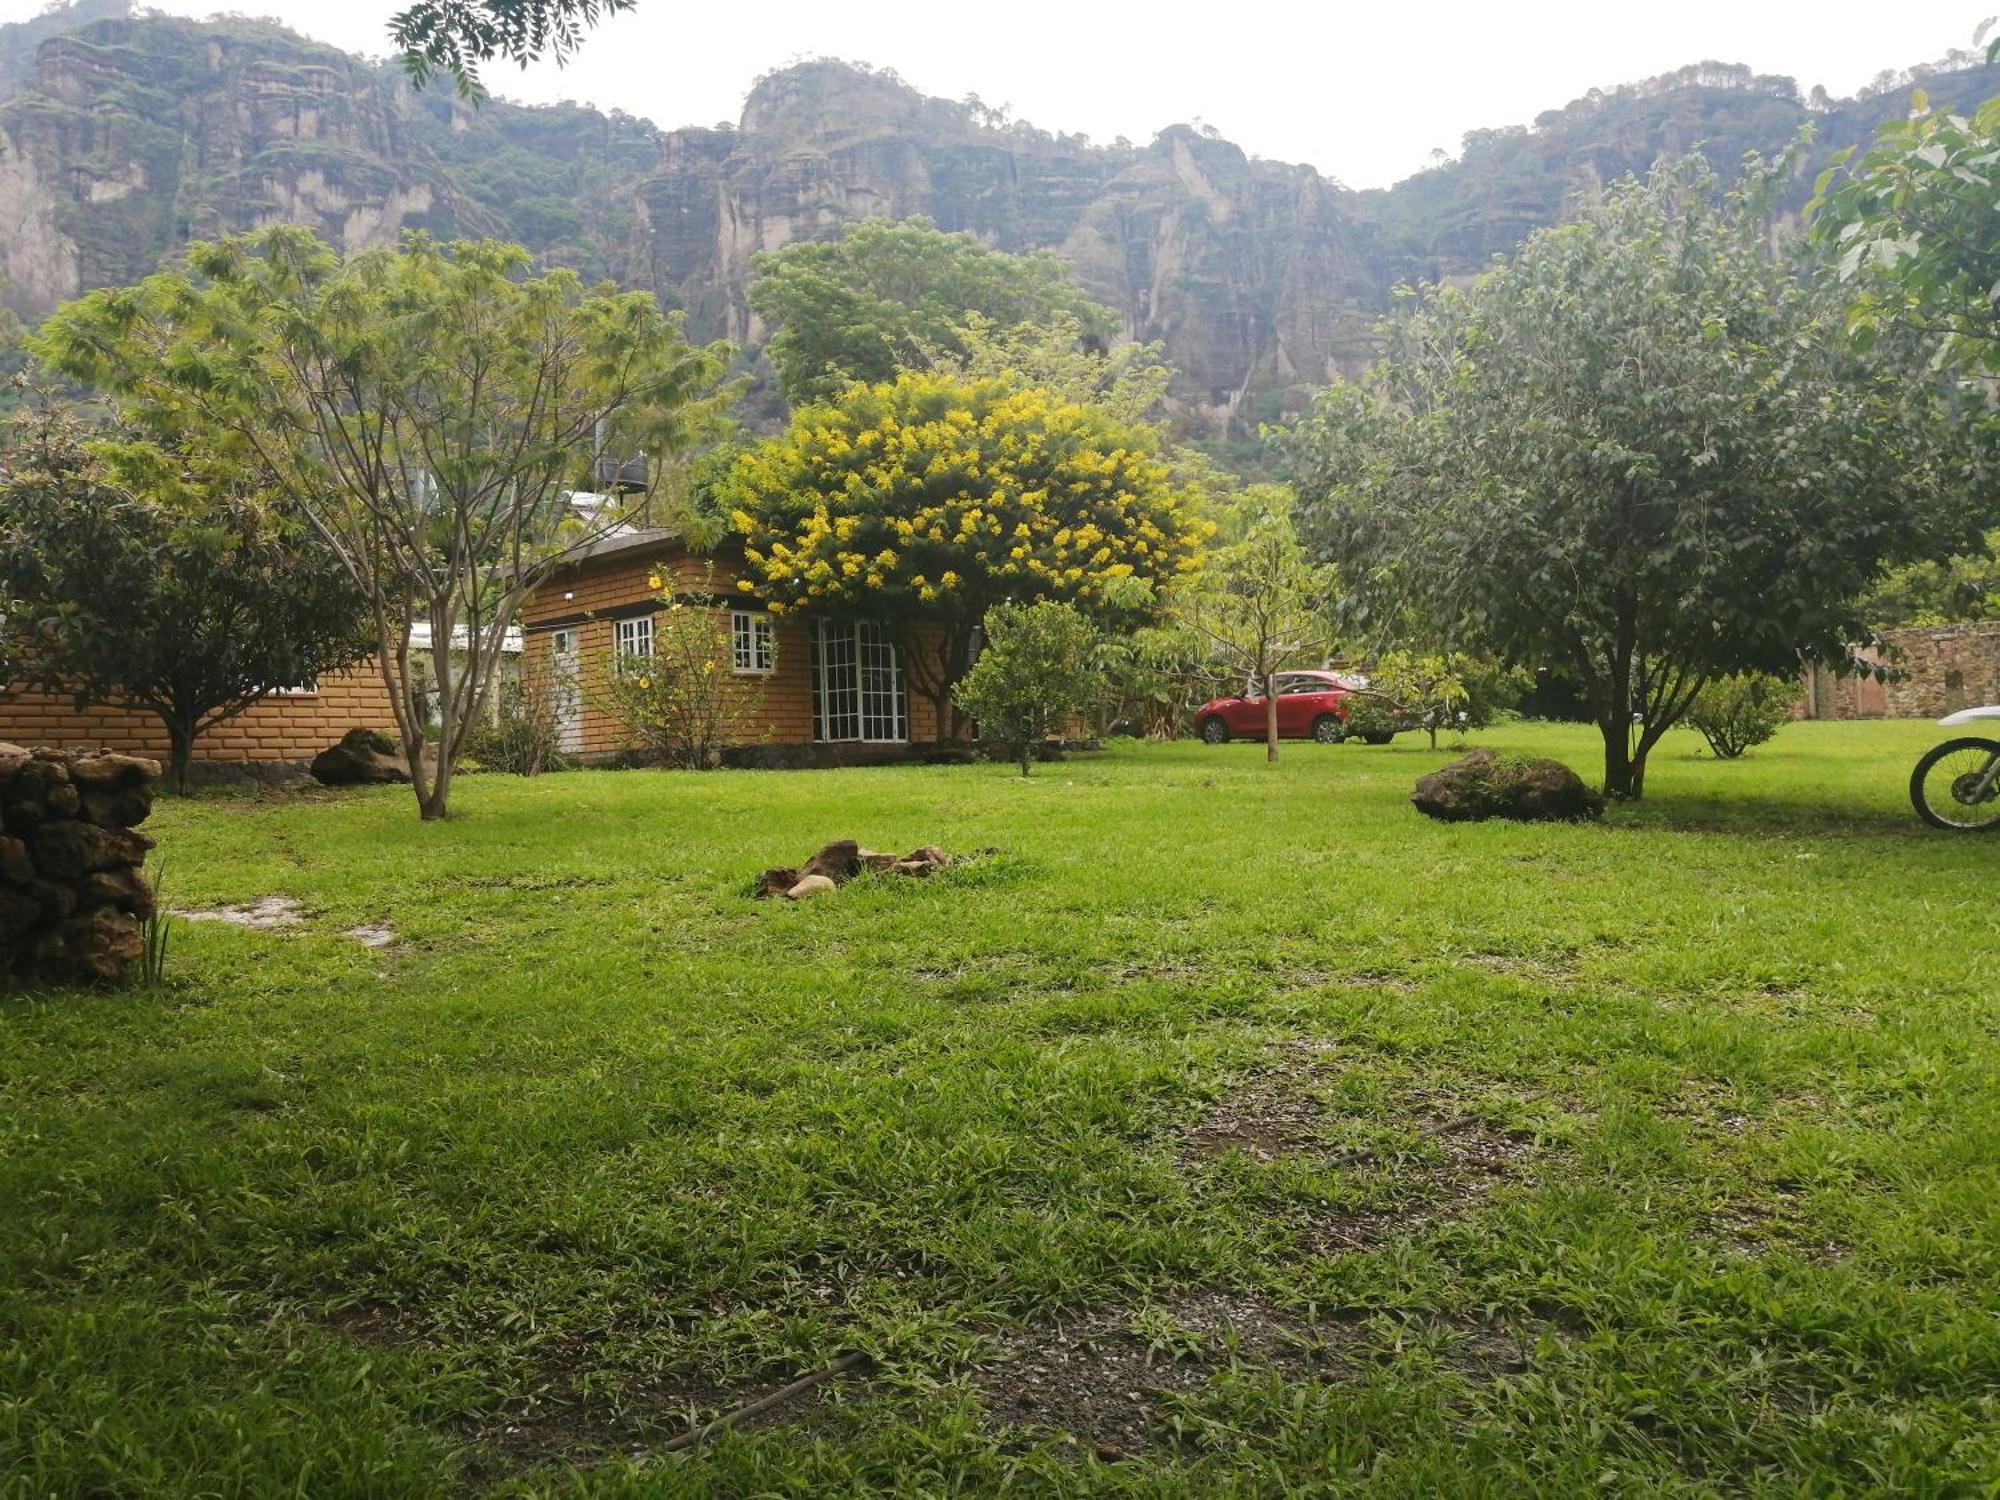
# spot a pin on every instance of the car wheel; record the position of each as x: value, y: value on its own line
x: 1379, y: 737
x: 1328, y: 729
x: 1214, y: 732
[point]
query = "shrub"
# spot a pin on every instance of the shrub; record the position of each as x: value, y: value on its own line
x: 1371, y: 713
x: 676, y: 703
x: 1037, y: 672
x: 1734, y: 713
x: 523, y: 737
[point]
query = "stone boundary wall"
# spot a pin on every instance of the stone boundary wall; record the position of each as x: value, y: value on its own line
x: 72, y: 893
x: 1942, y: 669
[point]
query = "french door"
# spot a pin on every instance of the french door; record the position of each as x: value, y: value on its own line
x: 858, y: 689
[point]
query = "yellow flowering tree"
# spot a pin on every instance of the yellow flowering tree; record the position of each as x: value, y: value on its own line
x: 928, y: 500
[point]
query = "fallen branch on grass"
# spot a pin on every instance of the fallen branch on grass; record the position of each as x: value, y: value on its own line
x: 845, y: 1365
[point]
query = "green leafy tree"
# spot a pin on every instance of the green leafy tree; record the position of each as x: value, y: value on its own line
x: 158, y: 585
x: 456, y: 36
x: 1735, y: 714
x: 1128, y: 382
x: 1439, y: 690
x: 1958, y: 589
x: 929, y: 500
x: 888, y: 295
x: 1260, y: 602
x: 1644, y: 449
x: 1038, y: 672
x: 1914, y: 224
x: 1153, y: 679
x: 431, y: 410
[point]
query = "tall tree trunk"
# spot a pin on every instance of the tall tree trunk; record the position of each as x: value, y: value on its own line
x: 1624, y: 774
x: 1027, y: 755
x: 434, y: 791
x: 180, y: 754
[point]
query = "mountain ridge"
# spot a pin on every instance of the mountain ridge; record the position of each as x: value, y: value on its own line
x: 134, y: 134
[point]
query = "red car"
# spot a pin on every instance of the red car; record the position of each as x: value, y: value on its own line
x: 1311, y: 705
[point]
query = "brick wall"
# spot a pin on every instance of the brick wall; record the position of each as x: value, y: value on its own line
x: 291, y: 727
x: 1943, y: 669
x: 592, y: 596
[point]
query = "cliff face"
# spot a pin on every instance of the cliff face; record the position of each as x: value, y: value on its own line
x: 1252, y: 272
x: 134, y: 135
x: 138, y: 135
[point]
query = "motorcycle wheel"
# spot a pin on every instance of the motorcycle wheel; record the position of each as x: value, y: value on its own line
x: 1945, y: 787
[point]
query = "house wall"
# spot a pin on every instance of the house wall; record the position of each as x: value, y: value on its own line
x: 291, y: 727
x: 1943, y: 669
x: 591, y: 597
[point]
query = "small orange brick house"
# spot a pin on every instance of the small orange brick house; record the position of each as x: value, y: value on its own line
x: 840, y: 687
x: 283, y: 729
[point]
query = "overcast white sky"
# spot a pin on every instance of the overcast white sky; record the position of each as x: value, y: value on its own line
x: 1363, y: 92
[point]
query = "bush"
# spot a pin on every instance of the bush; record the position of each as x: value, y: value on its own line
x: 1368, y: 712
x: 1038, y: 671
x: 523, y: 737
x: 676, y: 704
x: 1734, y: 713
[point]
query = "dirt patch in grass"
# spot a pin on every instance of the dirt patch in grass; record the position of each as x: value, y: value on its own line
x: 374, y: 1323
x: 1455, y: 1163
x: 570, y: 1412
x: 1101, y: 1381
x: 565, y: 1419
x: 1269, y: 1113
x: 530, y: 882
x: 1104, y: 1382
x: 1548, y: 968
x: 271, y: 914
x: 1428, y: 1159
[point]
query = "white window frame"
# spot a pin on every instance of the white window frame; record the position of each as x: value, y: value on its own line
x: 632, y: 640
x: 753, y: 643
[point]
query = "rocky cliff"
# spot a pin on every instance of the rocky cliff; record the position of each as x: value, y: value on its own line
x: 132, y: 135
x: 1254, y: 273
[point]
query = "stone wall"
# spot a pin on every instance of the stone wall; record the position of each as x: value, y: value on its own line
x: 72, y: 894
x: 1941, y: 670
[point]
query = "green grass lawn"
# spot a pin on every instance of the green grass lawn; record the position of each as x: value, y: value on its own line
x: 1231, y: 1130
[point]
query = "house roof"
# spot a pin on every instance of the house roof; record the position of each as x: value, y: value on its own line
x: 420, y: 637
x: 640, y: 541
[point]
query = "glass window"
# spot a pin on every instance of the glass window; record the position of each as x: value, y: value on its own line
x: 633, y: 638
x: 752, y: 643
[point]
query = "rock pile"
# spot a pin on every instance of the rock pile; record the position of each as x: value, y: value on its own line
x: 1482, y: 785
x: 72, y: 894
x: 839, y: 862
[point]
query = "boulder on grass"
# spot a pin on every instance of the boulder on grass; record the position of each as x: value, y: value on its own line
x: 810, y: 885
x: 1483, y: 785
x: 364, y: 757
